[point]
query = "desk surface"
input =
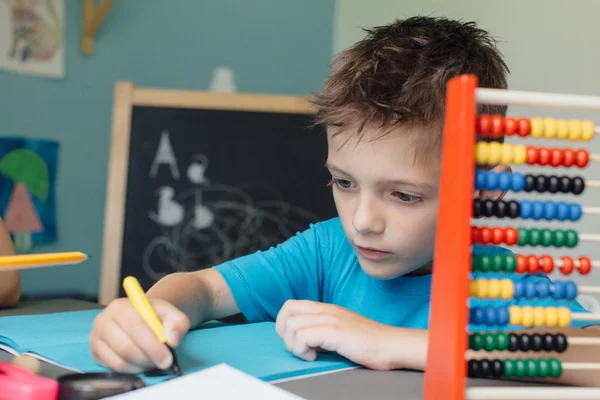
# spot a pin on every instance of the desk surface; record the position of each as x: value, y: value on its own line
x: 347, y: 384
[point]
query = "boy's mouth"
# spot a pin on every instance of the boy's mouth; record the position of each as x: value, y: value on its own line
x: 372, y: 253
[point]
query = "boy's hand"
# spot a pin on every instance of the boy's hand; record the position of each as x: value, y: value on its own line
x: 307, y: 327
x: 122, y: 341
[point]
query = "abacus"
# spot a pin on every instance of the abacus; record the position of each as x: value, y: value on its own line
x: 466, y: 159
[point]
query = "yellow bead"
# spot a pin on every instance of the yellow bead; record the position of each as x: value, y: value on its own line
x: 549, y: 128
x: 527, y: 316
x: 493, y: 288
x: 537, y: 127
x: 495, y: 153
x: 519, y: 154
x: 551, y: 316
x: 514, y: 313
x: 507, y: 289
x: 564, y: 317
x: 587, y: 130
x: 472, y: 287
x: 481, y: 288
x: 574, y: 129
x: 539, y: 316
x: 562, y: 129
x: 481, y: 153
x: 507, y: 154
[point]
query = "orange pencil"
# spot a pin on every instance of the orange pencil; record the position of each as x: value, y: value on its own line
x: 41, y: 260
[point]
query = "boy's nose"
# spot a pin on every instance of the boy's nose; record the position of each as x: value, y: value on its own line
x: 367, y: 218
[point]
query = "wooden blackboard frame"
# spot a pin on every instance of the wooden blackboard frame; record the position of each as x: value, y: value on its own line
x: 126, y: 97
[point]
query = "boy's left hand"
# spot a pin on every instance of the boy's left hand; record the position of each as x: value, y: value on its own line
x: 307, y: 327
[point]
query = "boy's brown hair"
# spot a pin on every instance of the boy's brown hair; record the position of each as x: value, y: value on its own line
x: 398, y: 74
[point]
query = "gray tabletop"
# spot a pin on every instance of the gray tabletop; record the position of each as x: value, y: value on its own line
x: 346, y: 384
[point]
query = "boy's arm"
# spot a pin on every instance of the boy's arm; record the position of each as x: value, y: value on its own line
x: 10, y: 281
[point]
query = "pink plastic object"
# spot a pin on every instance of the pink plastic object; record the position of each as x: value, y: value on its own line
x: 18, y: 383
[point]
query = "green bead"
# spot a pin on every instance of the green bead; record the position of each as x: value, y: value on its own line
x: 489, y: 342
x: 497, y: 263
x: 510, y: 263
x: 543, y: 368
x: 571, y: 238
x: 509, y: 368
x: 485, y: 263
x: 555, y: 368
x: 532, y: 367
x: 501, y: 341
x: 546, y: 237
x: 476, y: 341
x: 523, y: 237
x: 475, y: 262
x: 535, y: 237
x: 520, y: 368
x: 559, y: 237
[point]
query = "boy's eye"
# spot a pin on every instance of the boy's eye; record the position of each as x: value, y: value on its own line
x: 406, y: 198
x: 344, y: 184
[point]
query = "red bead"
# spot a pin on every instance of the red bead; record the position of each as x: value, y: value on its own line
x: 511, y: 236
x: 581, y: 158
x: 544, y: 156
x: 567, y: 265
x: 524, y: 127
x: 585, y: 265
x: 547, y: 264
x: 521, y: 264
x: 475, y: 234
x: 486, y: 235
x: 497, y: 126
x: 556, y: 157
x: 533, y: 264
x: 497, y: 235
x: 510, y: 126
x: 568, y: 157
x: 484, y: 124
x: 532, y: 155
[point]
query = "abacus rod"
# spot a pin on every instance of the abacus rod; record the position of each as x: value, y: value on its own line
x: 589, y: 237
x: 585, y: 317
x: 531, y: 393
x: 589, y: 289
x: 592, y: 184
x: 591, y: 210
x: 583, y: 341
x: 595, y: 157
x: 536, y: 99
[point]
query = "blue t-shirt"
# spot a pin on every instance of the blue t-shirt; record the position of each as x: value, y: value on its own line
x: 320, y: 265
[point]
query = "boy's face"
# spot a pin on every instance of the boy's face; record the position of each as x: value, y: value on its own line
x: 387, y: 201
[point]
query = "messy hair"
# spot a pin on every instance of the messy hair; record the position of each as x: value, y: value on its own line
x: 398, y: 74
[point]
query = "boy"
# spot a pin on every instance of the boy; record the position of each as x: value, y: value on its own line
x: 358, y: 284
x: 10, y: 281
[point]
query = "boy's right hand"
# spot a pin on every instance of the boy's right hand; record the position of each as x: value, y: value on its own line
x: 122, y: 341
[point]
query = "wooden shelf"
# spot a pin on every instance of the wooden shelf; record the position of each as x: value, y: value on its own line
x: 92, y: 19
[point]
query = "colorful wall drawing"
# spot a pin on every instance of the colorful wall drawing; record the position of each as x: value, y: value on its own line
x: 27, y: 190
x: 32, y: 37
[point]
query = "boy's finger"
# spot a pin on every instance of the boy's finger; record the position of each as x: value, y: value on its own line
x: 105, y: 356
x: 309, y: 339
x: 295, y: 307
x: 302, y: 321
x: 175, y: 322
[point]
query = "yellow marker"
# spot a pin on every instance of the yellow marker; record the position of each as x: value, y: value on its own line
x: 41, y: 260
x: 140, y: 302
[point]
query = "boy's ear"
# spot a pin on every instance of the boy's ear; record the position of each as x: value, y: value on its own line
x: 494, y: 194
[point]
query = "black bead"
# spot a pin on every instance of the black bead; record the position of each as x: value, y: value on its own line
x: 513, y: 342
x: 474, y: 369
x: 477, y: 209
x: 578, y: 185
x: 541, y: 184
x: 548, y: 340
x: 486, y: 367
x: 514, y: 209
x: 497, y: 368
x: 565, y: 184
x: 536, y: 342
x: 501, y: 209
x: 524, y: 342
x: 560, y: 343
x: 529, y: 182
x: 488, y: 208
x: 552, y: 184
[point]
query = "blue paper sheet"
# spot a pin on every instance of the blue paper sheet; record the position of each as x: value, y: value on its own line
x: 253, y: 348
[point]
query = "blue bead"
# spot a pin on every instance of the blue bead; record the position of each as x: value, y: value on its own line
x: 529, y: 289
x: 570, y: 290
x: 518, y: 182
x: 574, y: 212
x: 477, y: 316
x: 502, y: 316
x: 490, y: 316
x: 538, y: 210
x: 480, y: 178
x: 562, y: 211
x: 549, y: 210
x: 542, y: 289
x: 504, y: 181
x: 518, y: 289
x: 492, y: 181
x: 559, y: 290
x: 525, y: 208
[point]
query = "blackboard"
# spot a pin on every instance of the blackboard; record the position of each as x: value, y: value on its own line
x: 199, y: 178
